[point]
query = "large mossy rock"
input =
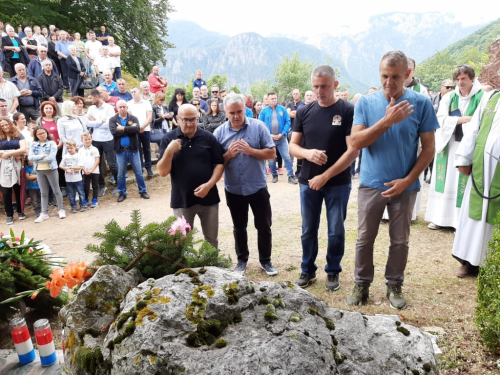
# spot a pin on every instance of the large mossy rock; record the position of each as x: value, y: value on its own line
x: 87, y: 319
x: 213, y: 321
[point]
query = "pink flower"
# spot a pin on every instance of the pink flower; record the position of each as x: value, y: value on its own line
x: 180, y: 224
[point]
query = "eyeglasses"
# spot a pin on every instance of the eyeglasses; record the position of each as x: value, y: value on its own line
x: 449, y: 87
x: 193, y: 120
x: 215, y: 92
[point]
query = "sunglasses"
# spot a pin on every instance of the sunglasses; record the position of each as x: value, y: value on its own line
x: 215, y: 92
x: 449, y: 87
x: 196, y: 104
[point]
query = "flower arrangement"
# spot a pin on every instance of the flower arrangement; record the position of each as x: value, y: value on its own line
x: 180, y: 225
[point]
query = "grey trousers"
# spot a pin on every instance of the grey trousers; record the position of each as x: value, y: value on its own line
x: 371, y: 205
x: 46, y: 177
x: 209, y: 218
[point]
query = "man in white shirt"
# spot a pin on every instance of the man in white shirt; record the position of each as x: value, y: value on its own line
x: 10, y: 93
x: 92, y: 47
x: 142, y: 109
x: 115, y: 53
x: 98, y: 117
x: 103, y: 63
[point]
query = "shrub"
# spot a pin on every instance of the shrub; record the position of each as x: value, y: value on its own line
x: 24, y: 272
x: 488, y: 294
x: 120, y: 246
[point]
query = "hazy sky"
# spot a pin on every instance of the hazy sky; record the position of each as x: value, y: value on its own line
x: 313, y: 17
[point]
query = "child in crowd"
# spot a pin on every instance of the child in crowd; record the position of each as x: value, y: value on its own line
x: 32, y: 187
x: 72, y: 164
x: 90, y: 159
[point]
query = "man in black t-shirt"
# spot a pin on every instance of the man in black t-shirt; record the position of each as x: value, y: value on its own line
x: 193, y: 158
x: 321, y: 136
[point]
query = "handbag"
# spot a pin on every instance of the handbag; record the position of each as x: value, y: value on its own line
x: 85, y: 85
x: 157, y: 135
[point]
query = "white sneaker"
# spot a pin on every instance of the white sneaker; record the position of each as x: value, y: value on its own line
x: 433, y: 226
x: 42, y: 217
x: 62, y: 214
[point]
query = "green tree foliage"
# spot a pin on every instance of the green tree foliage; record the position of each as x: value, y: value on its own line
x: 24, y: 267
x: 488, y: 294
x: 470, y: 50
x: 219, y: 80
x: 292, y: 73
x: 261, y: 88
x: 139, y: 27
x: 119, y: 246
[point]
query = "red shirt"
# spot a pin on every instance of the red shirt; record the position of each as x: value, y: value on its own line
x: 51, y: 126
x: 156, y: 83
x: 112, y: 102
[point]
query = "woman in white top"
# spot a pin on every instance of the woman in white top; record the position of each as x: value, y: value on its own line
x: 69, y: 126
x: 20, y: 121
x: 80, y: 109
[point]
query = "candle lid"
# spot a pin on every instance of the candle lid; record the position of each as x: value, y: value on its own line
x: 17, y: 323
x: 41, y: 324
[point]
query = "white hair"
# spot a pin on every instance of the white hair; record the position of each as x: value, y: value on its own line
x: 233, y: 98
x: 71, y: 47
x: 144, y: 84
x: 67, y: 108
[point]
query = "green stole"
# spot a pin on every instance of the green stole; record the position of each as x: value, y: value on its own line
x: 416, y: 87
x: 476, y: 202
x: 442, y: 157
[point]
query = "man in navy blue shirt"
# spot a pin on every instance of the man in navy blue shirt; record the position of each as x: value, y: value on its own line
x: 122, y: 92
x: 388, y: 126
x: 103, y: 36
x: 247, y: 145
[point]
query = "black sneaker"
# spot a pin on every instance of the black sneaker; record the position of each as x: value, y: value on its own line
x: 102, y: 190
x: 359, y: 295
x: 275, y: 178
x: 293, y: 180
x: 74, y: 210
x: 64, y: 192
x: 21, y: 216
x: 332, y: 283
x: 10, y: 220
x: 305, y: 279
x: 270, y: 270
x: 241, y: 267
x: 52, y: 202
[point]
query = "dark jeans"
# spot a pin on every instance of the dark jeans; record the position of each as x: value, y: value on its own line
x: 74, y: 83
x: 87, y: 179
x: 311, y: 202
x: 62, y: 173
x: 261, y: 209
x: 36, y: 200
x: 12, y: 64
x: 117, y: 74
x: 64, y: 73
x: 7, y: 199
x: 106, y: 149
x: 145, y: 150
x: 74, y: 187
x: 30, y: 112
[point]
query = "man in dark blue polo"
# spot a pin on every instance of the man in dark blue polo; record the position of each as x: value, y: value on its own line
x: 103, y: 36
x: 247, y: 145
x: 193, y: 158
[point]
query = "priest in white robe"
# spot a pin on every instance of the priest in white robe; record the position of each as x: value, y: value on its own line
x: 447, y: 185
x: 479, y: 152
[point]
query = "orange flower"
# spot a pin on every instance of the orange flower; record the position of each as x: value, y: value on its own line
x: 55, y: 286
x: 75, y: 273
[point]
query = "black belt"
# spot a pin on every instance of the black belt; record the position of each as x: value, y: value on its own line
x: 128, y: 148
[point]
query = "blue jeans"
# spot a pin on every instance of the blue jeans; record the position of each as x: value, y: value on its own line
x: 76, y: 187
x: 336, y: 199
x: 122, y: 158
x: 282, y: 146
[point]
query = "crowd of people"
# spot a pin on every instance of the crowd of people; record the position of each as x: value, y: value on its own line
x: 401, y: 135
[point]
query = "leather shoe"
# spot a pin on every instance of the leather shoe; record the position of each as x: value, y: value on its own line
x: 145, y: 195
x: 121, y: 198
